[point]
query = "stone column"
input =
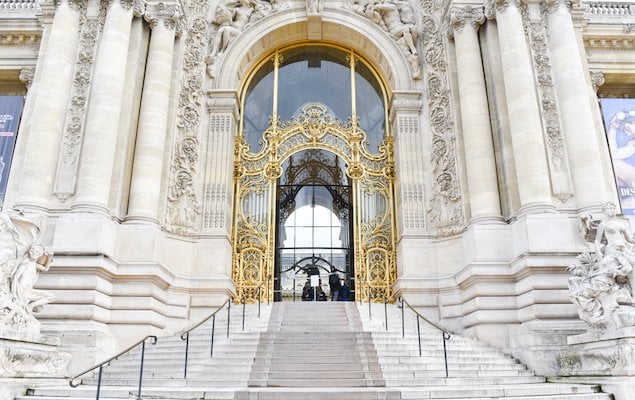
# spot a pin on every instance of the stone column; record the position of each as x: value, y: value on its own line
x: 522, y: 104
x: 147, y: 169
x: 102, y: 123
x: 477, y: 133
x: 574, y: 99
x: 49, y: 109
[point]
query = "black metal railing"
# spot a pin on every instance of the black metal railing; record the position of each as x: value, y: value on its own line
x: 186, y: 334
x: 101, y: 366
x: 446, y: 335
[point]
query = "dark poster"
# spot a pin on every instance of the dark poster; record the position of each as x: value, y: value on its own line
x: 10, y: 109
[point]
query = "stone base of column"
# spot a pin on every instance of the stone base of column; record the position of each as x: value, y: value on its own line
x: 486, y: 220
x: 90, y: 208
x: 537, y: 208
x: 140, y: 219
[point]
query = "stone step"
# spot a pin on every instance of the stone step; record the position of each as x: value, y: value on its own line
x: 290, y: 367
x: 472, y: 382
x: 311, y: 382
x: 533, y: 391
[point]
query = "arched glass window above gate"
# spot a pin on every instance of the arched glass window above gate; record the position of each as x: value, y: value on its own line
x: 283, y: 83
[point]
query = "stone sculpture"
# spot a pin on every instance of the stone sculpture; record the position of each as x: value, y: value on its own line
x: 230, y: 19
x: 601, y: 283
x: 22, y: 258
x: 397, y: 18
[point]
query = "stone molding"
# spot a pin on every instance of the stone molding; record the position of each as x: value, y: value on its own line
x: 616, y: 43
x: 462, y: 16
x: 19, y: 39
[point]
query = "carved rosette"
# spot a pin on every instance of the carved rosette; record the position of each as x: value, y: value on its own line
x: 561, y: 184
x: 183, y: 206
x: 462, y: 16
x: 446, y: 204
x: 65, y: 179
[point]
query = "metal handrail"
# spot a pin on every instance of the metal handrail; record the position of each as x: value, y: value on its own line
x: 186, y: 334
x: 101, y: 365
x: 205, y: 320
x: 444, y: 332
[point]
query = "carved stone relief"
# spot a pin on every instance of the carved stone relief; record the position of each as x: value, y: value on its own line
x: 22, y: 258
x: 536, y: 30
x: 230, y: 19
x: 66, y: 175
x: 597, y: 79
x: 397, y: 18
x: 446, y: 205
x: 183, y: 206
x: 26, y: 75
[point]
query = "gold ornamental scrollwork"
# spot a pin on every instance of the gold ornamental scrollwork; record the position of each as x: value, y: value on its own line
x: 315, y: 127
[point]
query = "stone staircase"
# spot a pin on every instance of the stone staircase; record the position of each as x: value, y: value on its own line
x: 319, y: 351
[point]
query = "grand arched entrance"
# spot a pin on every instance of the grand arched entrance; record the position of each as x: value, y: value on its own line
x: 313, y: 134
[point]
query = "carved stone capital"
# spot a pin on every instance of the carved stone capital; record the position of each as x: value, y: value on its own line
x: 137, y: 6
x: 462, y: 16
x: 26, y: 76
x: 77, y: 5
x: 168, y: 14
x: 492, y: 7
x: 222, y: 102
x: 597, y: 79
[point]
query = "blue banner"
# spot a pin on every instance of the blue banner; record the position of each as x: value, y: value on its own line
x: 619, y: 121
x: 10, y: 110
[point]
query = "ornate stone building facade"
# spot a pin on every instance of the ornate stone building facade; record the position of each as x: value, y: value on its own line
x: 132, y: 155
